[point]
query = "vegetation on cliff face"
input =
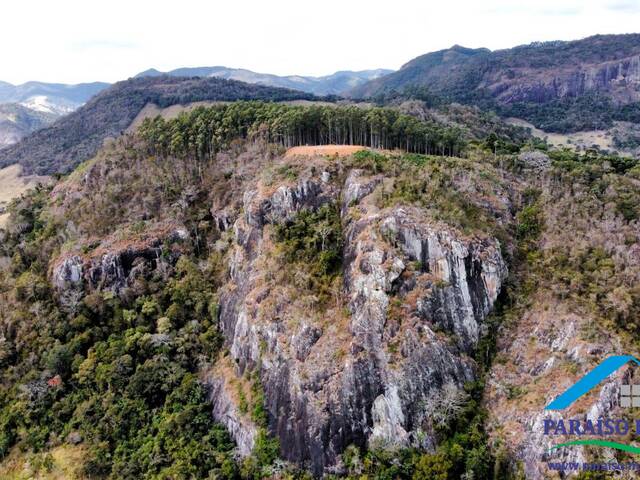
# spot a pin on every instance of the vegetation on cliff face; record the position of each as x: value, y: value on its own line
x: 596, y: 273
x: 314, y: 239
x: 118, y: 369
x: 118, y: 374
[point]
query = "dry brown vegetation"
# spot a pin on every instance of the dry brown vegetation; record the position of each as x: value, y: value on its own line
x: 586, y: 139
x: 60, y: 463
x: 12, y: 185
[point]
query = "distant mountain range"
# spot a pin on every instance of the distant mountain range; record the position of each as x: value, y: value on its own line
x: 558, y: 86
x: 335, y: 84
x: 17, y: 121
x: 589, y: 84
x: 56, y: 98
x: 33, y: 105
x: 77, y: 136
x: 37, y: 104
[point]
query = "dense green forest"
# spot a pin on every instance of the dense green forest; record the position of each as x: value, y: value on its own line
x: 205, y: 131
x: 591, y: 111
x: 117, y: 373
x: 76, y: 137
x: 569, y: 114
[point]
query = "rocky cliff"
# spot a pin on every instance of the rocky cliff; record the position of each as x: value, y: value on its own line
x: 117, y: 266
x: 582, y: 278
x: 408, y: 309
x: 354, y: 372
x: 558, y: 86
x: 374, y: 361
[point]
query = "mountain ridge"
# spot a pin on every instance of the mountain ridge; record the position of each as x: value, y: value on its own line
x: 69, y: 94
x: 17, y: 121
x: 558, y: 86
x: 347, y: 316
x: 333, y: 84
x: 76, y: 137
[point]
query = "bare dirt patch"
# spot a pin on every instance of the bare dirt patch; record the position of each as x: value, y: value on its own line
x: 314, y: 150
x: 151, y: 110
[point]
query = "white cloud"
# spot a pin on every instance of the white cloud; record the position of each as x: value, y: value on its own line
x: 73, y: 41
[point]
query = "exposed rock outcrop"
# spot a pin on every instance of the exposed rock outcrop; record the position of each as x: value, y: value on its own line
x: 534, y: 374
x: 360, y: 371
x: 226, y: 410
x: 535, y: 160
x: 608, y: 65
x: 114, y: 267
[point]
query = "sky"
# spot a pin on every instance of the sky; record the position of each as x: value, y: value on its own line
x: 71, y: 41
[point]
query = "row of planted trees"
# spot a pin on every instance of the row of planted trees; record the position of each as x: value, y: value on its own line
x: 205, y: 131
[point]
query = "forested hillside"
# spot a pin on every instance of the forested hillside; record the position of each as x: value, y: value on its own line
x: 205, y: 131
x: 192, y: 303
x: 77, y: 137
x: 558, y: 86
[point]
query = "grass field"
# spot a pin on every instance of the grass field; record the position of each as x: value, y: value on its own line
x: 12, y: 185
x: 60, y: 463
x: 602, y: 138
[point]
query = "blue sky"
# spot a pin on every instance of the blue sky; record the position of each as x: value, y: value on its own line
x: 74, y: 41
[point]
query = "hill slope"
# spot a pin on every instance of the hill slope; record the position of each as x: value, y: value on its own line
x: 220, y: 304
x: 77, y: 136
x: 334, y: 84
x: 558, y: 86
x: 17, y: 121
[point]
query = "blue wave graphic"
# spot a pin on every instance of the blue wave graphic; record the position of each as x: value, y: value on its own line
x: 590, y: 381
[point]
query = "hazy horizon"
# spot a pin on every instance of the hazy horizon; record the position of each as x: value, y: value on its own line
x: 85, y: 45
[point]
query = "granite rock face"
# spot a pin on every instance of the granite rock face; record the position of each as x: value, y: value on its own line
x: 619, y: 78
x: 603, y: 65
x: 370, y: 365
x: 537, y: 354
x: 366, y: 368
x: 243, y: 431
x: 115, y: 268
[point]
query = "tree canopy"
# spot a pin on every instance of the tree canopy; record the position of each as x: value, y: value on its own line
x: 205, y: 131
